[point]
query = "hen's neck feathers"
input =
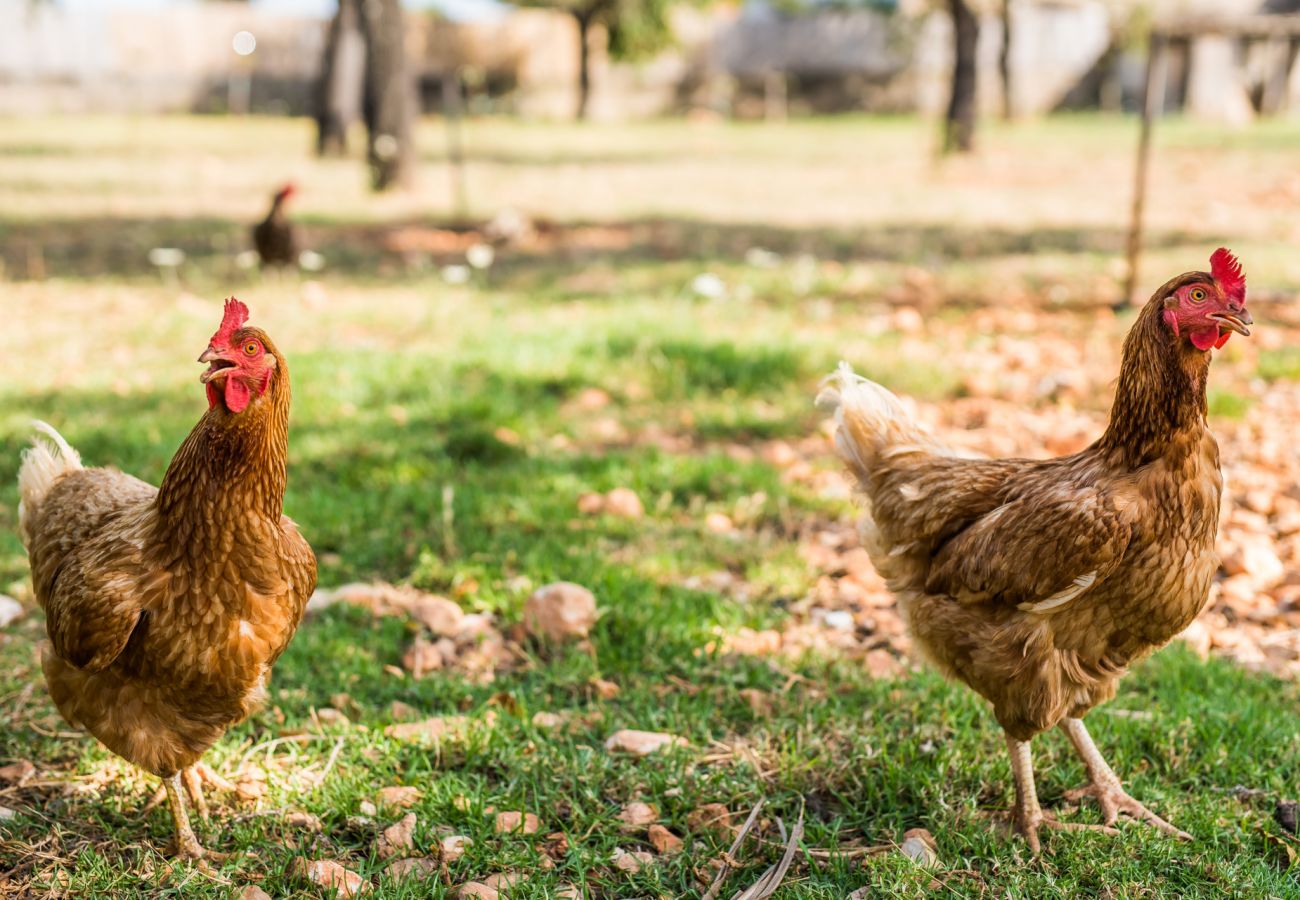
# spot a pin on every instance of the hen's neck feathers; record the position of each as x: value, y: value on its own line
x: 232, y: 465
x: 1160, y: 398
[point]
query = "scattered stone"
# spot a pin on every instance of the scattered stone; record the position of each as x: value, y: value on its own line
x: 507, y: 822
x: 663, y: 840
x: 329, y: 874
x: 623, y: 503
x: 636, y: 815
x: 397, y: 839
x: 412, y: 866
x: 919, y: 846
x: 453, y: 847
x: 631, y: 861
x: 252, y: 892
x: 641, y: 743
x: 560, y: 612
x: 303, y: 820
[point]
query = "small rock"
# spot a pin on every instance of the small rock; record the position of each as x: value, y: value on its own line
x: 624, y: 503
x: 1287, y: 814
x: 547, y: 720
x: 303, y: 820
x: 605, y: 690
x: 918, y: 845
x: 641, y: 743
x: 397, y: 839
x: 631, y: 861
x: 398, y: 797
x: 432, y: 729
x: 418, y: 867
x: 400, y: 711
x: 366, y: 808
x: 560, y: 612
x: 503, y: 881
x: 591, y: 504
x: 526, y: 823
x: 663, y: 840
x: 719, y: 523
x: 252, y: 892
x: 438, y: 614
x: 10, y: 610
x: 839, y: 620
x: 636, y: 815
x: 453, y: 847
x: 6, y: 814
x: 329, y: 874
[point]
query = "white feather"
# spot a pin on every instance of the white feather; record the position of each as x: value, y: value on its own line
x: 43, y: 464
x: 1060, y: 598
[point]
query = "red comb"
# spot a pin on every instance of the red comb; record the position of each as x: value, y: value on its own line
x: 1227, y: 272
x: 236, y: 314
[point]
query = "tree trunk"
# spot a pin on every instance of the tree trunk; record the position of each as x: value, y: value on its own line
x: 1004, y: 64
x: 959, y: 130
x: 338, y: 89
x: 584, y: 17
x: 388, y: 102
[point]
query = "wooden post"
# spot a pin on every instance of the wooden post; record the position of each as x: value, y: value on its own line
x: 1153, y: 101
x: 452, y: 110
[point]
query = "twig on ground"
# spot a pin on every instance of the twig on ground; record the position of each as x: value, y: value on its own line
x: 730, y: 856
x: 770, y: 880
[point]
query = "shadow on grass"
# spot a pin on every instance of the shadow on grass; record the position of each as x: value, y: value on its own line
x: 92, y: 247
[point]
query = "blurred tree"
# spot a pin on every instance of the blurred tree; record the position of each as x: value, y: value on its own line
x: 959, y: 125
x: 338, y: 90
x: 636, y: 29
x: 385, y: 85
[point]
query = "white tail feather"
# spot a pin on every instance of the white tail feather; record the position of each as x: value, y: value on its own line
x: 44, y: 463
x: 872, y: 422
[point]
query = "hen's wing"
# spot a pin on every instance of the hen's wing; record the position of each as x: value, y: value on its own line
x: 1038, y: 551
x: 300, y: 566
x: 87, y: 567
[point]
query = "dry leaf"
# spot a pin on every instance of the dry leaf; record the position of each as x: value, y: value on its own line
x: 398, y: 838
x: 719, y: 523
x: 503, y: 881
x: 400, y: 711
x: 422, y: 656
x: 641, y: 743
x: 591, y: 504
x: 253, y: 892
x: 397, y: 797
x: 663, y: 840
x: 547, y: 720
x: 560, y: 612
x: 417, y: 866
x: 17, y: 773
x: 710, y: 817
x: 329, y: 874
x: 478, y: 890
x: 517, y: 821
x: 760, y: 702
x: 636, y: 815
x: 568, y: 892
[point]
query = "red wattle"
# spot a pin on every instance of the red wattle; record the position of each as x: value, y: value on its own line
x: 1223, y: 339
x: 238, y: 395
x: 1205, y: 338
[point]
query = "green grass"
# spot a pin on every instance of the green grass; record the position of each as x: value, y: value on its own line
x: 410, y: 394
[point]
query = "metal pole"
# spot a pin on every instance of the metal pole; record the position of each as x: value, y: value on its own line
x: 1152, y: 104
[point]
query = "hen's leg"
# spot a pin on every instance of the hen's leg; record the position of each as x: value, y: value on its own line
x: 195, y: 777
x: 1105, y: 785
x: 187, y: 845
x: 1029, y: 816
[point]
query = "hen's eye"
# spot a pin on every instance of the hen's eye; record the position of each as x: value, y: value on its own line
x: 1197, y: 295
x: 251, y: 348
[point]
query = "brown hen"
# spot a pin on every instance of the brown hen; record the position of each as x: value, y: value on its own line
x: 275, y: 237
x: 1038, y: 582
x: 166, y: 607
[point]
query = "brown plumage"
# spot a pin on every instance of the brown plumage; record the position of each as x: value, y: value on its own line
x: 275, y: 237
x: 1037, y: 583
x: 166, y: 607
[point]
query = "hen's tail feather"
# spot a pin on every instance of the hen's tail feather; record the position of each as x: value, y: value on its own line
x: 44, y: 463
x: 872, y: 423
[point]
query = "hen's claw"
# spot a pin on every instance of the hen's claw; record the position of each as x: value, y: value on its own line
x: 1114, y: 800
x: 1027, y: 824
